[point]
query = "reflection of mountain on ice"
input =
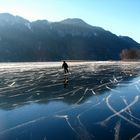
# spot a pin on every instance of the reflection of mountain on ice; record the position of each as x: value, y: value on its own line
x: 26, y: 83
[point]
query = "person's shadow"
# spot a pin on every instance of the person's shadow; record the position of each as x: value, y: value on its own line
x: 65, y: 81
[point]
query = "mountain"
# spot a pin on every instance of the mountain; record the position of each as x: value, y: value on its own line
x: 41, y: 40
x: 74, y: 21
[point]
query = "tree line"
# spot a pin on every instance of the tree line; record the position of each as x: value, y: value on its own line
x: 130, y: 54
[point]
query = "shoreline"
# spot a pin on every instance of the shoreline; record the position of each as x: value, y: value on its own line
x: 72, y: 61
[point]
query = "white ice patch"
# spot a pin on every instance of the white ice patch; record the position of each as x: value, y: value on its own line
x: 11, y: 84
x: 117, y: 130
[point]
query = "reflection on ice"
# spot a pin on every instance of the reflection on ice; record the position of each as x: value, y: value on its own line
x: 100, y: 101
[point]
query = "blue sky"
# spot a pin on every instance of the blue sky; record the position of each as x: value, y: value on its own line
x: 121, y: 17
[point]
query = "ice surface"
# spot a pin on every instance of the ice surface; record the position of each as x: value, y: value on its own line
x: 100, y: 101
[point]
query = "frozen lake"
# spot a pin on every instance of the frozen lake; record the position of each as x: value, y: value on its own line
x: 100, y: 102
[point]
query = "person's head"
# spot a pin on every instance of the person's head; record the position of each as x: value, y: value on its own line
x: 63, y: 61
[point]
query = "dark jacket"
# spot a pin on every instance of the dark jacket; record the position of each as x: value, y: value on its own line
x: 65, y: 65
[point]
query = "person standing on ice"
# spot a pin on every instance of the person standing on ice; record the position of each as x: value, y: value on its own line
x: 65, y: 66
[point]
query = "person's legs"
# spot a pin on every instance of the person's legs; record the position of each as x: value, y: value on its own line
x: 67, y: 70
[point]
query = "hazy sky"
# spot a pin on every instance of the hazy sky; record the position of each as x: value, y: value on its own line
x: 121, y: 17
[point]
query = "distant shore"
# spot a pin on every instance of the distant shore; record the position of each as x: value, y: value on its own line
x: 79, y: 61
x: 100, y: 61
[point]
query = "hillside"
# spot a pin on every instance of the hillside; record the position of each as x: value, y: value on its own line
x: 41, y: 40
